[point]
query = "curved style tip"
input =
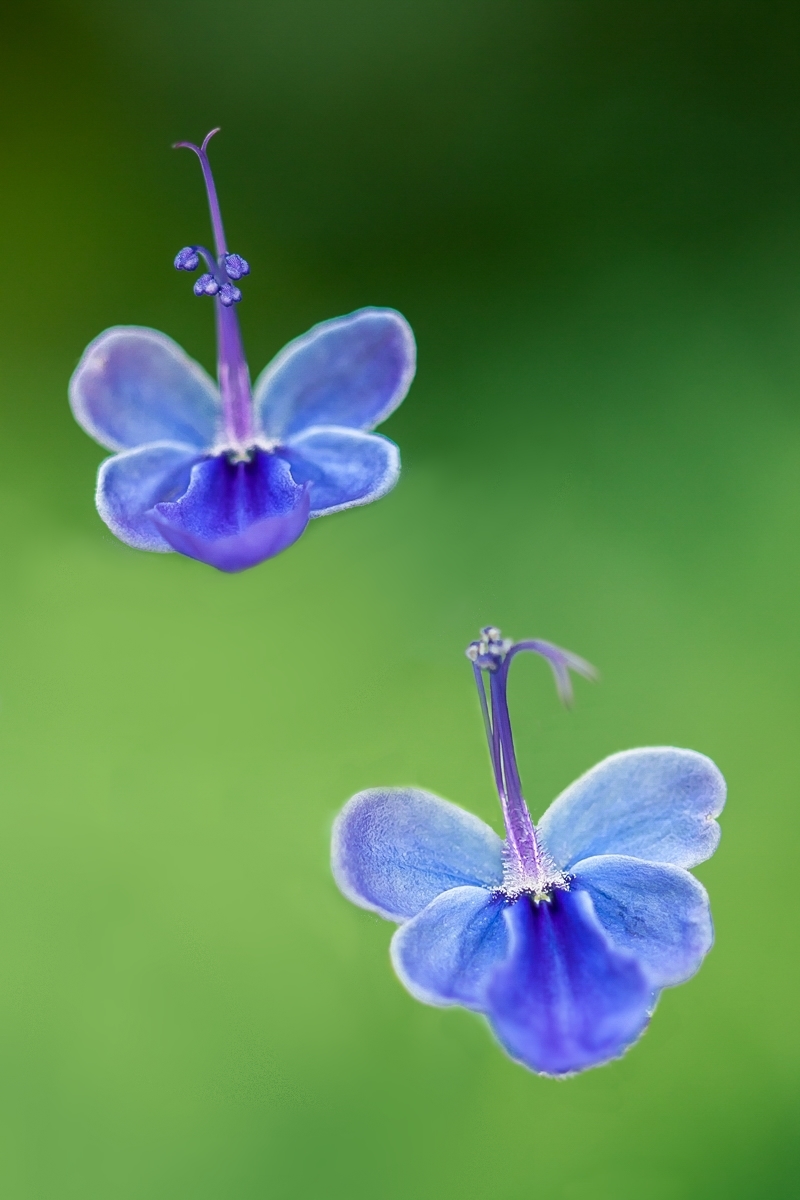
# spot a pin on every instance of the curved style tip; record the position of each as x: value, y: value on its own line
x: 561, y: 663
x: 199, y: 150
x: 492, y: 651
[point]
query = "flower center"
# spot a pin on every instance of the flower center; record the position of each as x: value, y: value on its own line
x: 538, y: 893
x: 219, y: 281
x: 528, y: 870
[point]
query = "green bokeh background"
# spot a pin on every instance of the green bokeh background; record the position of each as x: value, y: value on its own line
x: 590, y: 213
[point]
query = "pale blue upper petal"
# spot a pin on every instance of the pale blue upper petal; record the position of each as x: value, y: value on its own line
x: 351, y: 371
x: 344, y: 467
x: 447, y: 953
x: 565, y: 998
x: 657, y: 911
x: 654, y: 803
x: 134, y: 386
x: 130, y: 484
x: 395, y: 849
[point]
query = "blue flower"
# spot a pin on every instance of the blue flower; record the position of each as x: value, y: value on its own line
x: 563, y: 934
x: 231, y: 475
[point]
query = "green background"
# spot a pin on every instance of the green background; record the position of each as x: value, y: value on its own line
x: 590, y: 213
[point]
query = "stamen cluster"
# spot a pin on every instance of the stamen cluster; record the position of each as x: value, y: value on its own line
x: 490, y: 649
x: 218, y: 280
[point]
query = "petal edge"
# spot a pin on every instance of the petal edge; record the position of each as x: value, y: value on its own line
x: 447, y: 953
x: 344, y: 467
x: 394, y: 850
x: 130, y: 483
x: 657, y: 911
x: 657, y: 803
x: 135, y: 386
x: 351, y: 371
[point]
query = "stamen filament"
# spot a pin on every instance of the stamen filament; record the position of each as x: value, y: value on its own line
x: 208, y: 258
x: 234, y: 377
x: 527, y: 866
x: 522, y: 846
x: 487, y: 724
x: 232, y: 370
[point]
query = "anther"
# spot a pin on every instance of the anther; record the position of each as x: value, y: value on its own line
x: 229, y: 294
x: 206, y: 285
x: 490, y: 649
x: 236, y: 266
x: 187, y: 259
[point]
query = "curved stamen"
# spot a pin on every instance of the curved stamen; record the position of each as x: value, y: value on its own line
x: 213, y: 202
x: 233, y: 373
x: 487, y: 725
x: 523, y: 860
x: 527, y: 866
x: 188, y: 259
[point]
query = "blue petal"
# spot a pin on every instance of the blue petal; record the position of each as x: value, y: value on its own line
x: 235, y: 515
x: 658, y: 912
x: 344, y: 466
x: 564, y: 998
x: 134, y: 386
x: 129, y: 484
x: 395, y: 849
x: 447, y: 953
x: 352, y: 371
x: 658, y: 804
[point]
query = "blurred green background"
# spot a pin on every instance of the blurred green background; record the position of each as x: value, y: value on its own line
x: 590, y: 213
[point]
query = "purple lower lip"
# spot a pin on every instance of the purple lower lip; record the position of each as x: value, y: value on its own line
x: 235, y: 514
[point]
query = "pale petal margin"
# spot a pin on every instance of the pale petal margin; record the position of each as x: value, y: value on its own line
x: 565, y: 998
x: 345, y: 467
x: 658, y: 912
x: 131, y: 483
x: 656, y: 803
x: 135, y: 386
x: 394, y: 850
x: 447, y: 953
x: 351, y: 371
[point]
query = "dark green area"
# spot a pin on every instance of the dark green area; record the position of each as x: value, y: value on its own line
x: 590, y: 212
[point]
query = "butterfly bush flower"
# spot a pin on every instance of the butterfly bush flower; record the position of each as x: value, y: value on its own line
x: 562, y: 934
x: 227, y: 474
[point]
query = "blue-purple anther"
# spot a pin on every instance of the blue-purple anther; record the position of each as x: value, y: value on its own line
x: 217, y: 280
x: 561, y: 934
x: 187, y: 259
x: 228, y: 473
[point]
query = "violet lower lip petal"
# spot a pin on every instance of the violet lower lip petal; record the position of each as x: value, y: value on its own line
x: 563, y: 934
x: 228, y: 473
